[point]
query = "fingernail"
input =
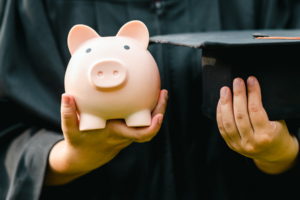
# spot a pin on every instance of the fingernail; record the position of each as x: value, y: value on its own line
x: 224, y: 92
x: 65, y: 100
x: 250, y: 80
x: 166, y: 95
x: 237, y: 82
x: 160, y: 120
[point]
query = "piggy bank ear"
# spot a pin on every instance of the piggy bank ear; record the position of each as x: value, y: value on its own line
x: 78, y: 35
x: 136, y: 30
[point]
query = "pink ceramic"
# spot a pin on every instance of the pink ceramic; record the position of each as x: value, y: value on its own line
x: 112, y: 77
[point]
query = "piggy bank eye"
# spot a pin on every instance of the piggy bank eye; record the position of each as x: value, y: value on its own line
x: 126, y: 47
x: 88, y: 50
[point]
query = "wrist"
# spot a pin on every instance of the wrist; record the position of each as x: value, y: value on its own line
x: 61, y: 160
x: 68, y: 162
x: 57, y: 172
x: 85, y: 157
x: 284, y: 161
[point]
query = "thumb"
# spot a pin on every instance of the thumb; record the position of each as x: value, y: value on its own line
x: 69, y: 120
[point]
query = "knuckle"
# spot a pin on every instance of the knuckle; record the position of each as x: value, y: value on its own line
x: 221, y: 128
x: 253, y: 107
x: 250, y: 149
x: 266, y: 140
x: 239, y: 115
x: 66, y: 115
x: 223, y: 101
x: 228, y: 125
x: 237, y: 93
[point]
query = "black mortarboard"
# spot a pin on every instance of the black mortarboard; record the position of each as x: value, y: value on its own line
x: 230, y: 54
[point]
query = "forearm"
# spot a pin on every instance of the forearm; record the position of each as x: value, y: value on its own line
x: 66, y: 164
x: 284, y: 163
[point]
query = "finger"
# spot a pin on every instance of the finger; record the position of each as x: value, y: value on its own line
x: 161, y: 103
x: 69, y: 120
x: 140, y: 134
x: 241, y: 109
x: 228, y: 116
x: 257, y: 113
x: 220, y: 124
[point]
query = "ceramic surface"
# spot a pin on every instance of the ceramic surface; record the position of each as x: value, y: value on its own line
x: 112, y: 77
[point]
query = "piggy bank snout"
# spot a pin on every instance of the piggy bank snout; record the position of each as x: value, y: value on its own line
x: 107, y: 74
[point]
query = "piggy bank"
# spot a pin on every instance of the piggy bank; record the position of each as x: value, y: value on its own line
x: 112, y: 77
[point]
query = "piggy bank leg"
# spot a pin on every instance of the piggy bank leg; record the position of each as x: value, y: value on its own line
x: 140, y: 118
x: 91, y: 122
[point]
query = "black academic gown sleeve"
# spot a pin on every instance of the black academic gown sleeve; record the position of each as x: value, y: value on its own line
x: 23, y: 161
x: 29, y: 96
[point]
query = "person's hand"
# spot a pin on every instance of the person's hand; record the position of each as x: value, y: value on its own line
x: 84, y: 151
x: 245, y: 127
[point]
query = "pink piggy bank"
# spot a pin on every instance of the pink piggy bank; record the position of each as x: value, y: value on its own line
x: 112, y: 77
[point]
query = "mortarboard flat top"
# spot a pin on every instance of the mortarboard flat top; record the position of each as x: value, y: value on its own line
x: 227, y: 55
x: 226, y: 38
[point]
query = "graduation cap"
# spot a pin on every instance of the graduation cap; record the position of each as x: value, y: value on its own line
x: 272, y: 56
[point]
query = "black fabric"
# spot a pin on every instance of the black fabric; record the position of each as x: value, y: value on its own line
x: 225, y: 39
x: 274, y: 67
x: 188, y: 159
x: 24, y: 161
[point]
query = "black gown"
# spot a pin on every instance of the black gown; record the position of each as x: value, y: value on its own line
x: 187, y: 159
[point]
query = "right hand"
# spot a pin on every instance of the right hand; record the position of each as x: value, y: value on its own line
x: 84, y: 151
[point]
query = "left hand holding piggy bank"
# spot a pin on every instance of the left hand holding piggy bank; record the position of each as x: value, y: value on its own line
x: 84, y: 151
x: 108, y: 79
x: 245, y: 126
